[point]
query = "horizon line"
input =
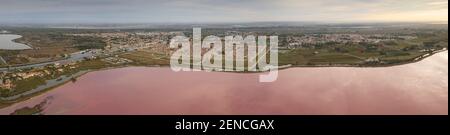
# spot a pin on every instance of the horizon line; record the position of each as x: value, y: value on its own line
x: 214, y: 22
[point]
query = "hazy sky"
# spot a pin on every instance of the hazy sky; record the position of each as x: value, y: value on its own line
x: 123, y: 11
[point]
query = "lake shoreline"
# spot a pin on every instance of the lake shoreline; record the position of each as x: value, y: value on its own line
x: 31, y: 95
x: 15, y: 42
x: 301, y: 91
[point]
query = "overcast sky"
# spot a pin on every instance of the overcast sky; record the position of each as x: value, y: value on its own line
x: 148, y: 11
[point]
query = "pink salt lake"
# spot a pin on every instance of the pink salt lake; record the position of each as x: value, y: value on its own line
x: 417, y: 88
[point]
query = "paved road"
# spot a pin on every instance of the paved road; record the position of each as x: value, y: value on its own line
x: 49, y: 84
x: 2, y: 60
x: 73, y: 57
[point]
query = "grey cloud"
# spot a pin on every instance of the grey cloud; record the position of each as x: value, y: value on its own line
x: 203, y: 10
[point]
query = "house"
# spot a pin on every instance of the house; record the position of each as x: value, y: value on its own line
x: 57, y: 64
x: 60, y: 70
x: 372, y: 60
x: 28, y: 75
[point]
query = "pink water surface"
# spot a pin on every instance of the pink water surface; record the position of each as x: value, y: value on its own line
x: 418, y: 88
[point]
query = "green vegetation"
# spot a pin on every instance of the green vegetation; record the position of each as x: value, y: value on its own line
x: 37, y: 109
x: 92, y: 65
x: 83, y: 43
x: 364, y: 54
x: 28, y: 111
x: 145, y: 58
x: 23, y: 85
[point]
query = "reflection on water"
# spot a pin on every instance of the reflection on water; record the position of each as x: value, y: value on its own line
x: 35, y: 110
x: 418, y: 88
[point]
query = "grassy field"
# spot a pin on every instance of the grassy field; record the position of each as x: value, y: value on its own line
x: 386, y: 53
x: 334, y: 59
x: 310, y: 57
x: 318, y: 57
x: 147, y: 58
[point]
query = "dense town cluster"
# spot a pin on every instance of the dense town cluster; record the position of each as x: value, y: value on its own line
x: 315, y: 39
x: 128, y: 41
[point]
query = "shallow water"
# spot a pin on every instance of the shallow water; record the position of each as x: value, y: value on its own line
x: 417, y: 88
x: 6, y: 42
